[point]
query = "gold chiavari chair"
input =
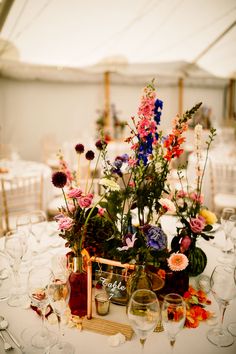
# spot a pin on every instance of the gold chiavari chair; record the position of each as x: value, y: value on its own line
x: 17, y: 196
x: 223, y: 185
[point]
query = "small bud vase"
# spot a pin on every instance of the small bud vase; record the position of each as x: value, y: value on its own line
x: 78, y: 284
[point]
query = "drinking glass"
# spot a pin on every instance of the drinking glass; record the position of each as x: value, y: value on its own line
x: 232, y: 326
x: 232, y: 220
x: 58, y: 294
x: 38, y: 226
x: 223, y: 288
x: 227, y: 228
x: 143, y: 313
x: 38, y: 280
x: 15, y: 250
x: 173, y: 312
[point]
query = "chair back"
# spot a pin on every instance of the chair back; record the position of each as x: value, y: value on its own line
x: 223, y: 178
x: 19, y: 195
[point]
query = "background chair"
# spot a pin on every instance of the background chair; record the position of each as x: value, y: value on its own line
x: 223, y: 184
x: 17, y: 196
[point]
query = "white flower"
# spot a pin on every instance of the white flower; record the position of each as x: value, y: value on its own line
x: 129, y: 243
x: 167, y: 204
x: 109, y: 184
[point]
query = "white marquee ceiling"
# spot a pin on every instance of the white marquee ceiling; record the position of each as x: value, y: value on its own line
x: 98, y: 34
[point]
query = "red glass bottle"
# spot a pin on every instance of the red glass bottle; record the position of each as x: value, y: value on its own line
x: 78, y: 284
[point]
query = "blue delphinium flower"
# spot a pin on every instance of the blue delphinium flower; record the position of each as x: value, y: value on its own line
x: 157, y: 111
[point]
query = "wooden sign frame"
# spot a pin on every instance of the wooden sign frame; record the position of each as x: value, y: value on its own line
x: 89, y: 277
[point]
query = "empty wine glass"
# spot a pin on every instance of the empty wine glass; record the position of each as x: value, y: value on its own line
x: 15, y: 250
x: 58, y: 294
x: 232, y: 326
x: 143, y: 313
x: 227, y: 227
x: 173, y: 312
x: 38, y: 280
x: 232, y: 219
x: 223, y: 288
x: 38, y: 226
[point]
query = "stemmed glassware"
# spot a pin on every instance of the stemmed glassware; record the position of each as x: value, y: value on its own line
x: 38, y: 280
x: 58, y: 294
x: 223, y: 287
x: 143, y: 313
x: 38, y: 226
x: 173, y: 313
x: 227, y: 226
x: 232, y: 326
x: 15, y: 250
x: 232, y: 220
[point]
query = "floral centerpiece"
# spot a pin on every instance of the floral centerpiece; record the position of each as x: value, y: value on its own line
x: 196, y: 220
x: 136, y: 208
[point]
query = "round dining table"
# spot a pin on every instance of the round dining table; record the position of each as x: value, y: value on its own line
x: 192, y: 340
x: 10, y: 169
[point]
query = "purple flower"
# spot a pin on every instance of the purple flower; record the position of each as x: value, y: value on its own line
x: 89, y: 155
x: 59, y: 179
x: 79, y: 148
x: 100, y: 144
x: 156, y: 238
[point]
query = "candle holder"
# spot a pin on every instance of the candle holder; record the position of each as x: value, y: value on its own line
x: 102, y: 303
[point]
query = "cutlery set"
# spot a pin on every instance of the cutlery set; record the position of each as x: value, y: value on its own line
x: 4, y: 327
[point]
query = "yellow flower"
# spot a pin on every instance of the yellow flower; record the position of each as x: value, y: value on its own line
x: 209, y: 216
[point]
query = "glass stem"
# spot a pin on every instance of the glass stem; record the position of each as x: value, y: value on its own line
x: 43, y: 311
x: 142, y: 341
x: 60, y: 345
x: 222, y: 314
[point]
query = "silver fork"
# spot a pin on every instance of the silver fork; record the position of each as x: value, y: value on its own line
x: 6, y: 345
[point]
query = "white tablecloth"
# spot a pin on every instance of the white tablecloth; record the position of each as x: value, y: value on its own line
x: 192, y: 341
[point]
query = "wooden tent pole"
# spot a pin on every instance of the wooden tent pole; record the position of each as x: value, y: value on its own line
x: 107, y: 98
x: 231, y: 88
x: 180, y: 95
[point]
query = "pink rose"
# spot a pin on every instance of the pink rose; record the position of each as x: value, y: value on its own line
x: 85, y: 201
x: 75, y: 193
x: 65, y: 223
x: 185, y: 243
x: 197, y: 225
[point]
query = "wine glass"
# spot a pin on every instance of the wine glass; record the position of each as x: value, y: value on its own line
x: 232, y: 219
x: 223, y: 288
x: 143, y: 313
x: 15, y: 250
x: 232, y: 326
x: 173, y: 312
x: 58, y: 294
x: 38, y: 226
x: 38, y: 280
x: 227, y: 227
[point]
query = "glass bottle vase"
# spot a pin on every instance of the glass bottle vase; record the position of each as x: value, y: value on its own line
x: 78, y: 284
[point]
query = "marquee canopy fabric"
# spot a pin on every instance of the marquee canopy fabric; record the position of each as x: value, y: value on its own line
x: 126, y: 36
